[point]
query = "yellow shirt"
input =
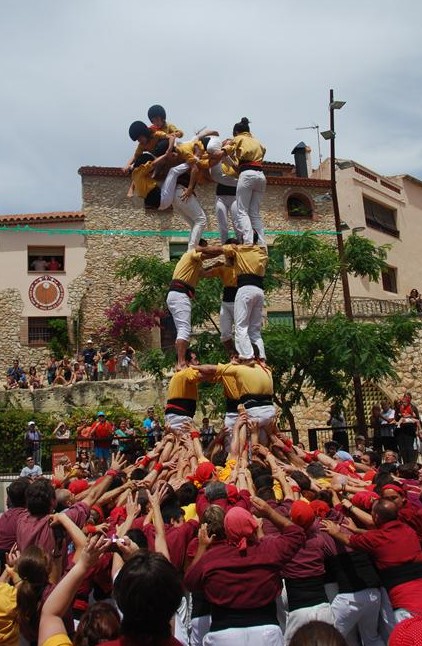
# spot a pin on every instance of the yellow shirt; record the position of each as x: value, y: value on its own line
x: 189, y: 267
x: 245, y: 148
x: 141, y: 177
x: 190, y: 511
x: 170, y: 129
x: 9, y: 629
x: 189, y: 151
x: 248, y: 259
x: 225, y: 273
x: 151, y: 143
x: 224, y: 473
x: 250, y: 380
x: 184, y: 384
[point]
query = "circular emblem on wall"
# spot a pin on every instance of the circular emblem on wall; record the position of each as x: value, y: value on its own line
x: 46, y: 293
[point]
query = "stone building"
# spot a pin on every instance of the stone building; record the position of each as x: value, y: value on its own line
x: 110, y: 226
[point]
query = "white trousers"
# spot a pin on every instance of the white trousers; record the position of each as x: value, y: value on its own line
x: 229, y: 422
x: 264, y: 415
x: 177, y: 421
x: 226, y: 320
x: 302, y: 616
x: 199, y: 628
x: 254, y: 636
x: 180, y: 307
x: 168, y: 187
x: 358, y: 609
x: 225, y: 205
x: 192, y: 212
x: 249, y: 193
x: 248, y: 306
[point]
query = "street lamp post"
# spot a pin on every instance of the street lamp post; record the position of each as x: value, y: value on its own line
x: 331, y: 135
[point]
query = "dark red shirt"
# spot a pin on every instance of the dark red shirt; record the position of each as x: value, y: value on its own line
x: 394, y: 544
x: 241, y: 500
x: 248, y: 579
x: 178, y: 539
x: 8, y: 525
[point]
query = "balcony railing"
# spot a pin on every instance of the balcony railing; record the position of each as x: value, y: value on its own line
x: 361, y: 308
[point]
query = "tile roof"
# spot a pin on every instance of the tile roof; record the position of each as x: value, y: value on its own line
x: 30, y: 218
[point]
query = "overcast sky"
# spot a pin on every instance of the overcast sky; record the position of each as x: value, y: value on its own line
x: 76, y: 73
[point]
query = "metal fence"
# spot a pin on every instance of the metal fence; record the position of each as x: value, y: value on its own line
x: 344, y: 435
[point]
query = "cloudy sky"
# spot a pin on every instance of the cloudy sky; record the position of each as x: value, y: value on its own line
x: 76, y: 73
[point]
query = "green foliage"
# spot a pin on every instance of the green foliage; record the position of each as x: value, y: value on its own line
x: 154, y: 276
x: 14, y: 424
x: 60, y: 342
x: 363, y: 258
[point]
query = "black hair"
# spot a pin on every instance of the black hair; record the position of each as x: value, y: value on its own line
x: 255, y: 237
x: 138, y: 537
x: 148, y: 591
x: 215, y: 491
x: 331, y: 444
x: 315, y: 470
x: 202, y: 243
x: 266, y: 493
x: 327, y: 496
x: 409, y: 471
x: 171, y: 512
x: 374, y: 458
x: 153, y: 199
x: 265, y: 480
x: 231, y: 241
x: 156, y: 111
x: 187, y: 494
x: 258, y: 470
x: 99, y: 623
x: 241, y: 126
x: 138, y: 474
x: 205, y: 141
x: 188, y: 354
x: 143, y: 159
x: 161, y: 147
x: 40, y: 496
x: 219, y: 458
x: 16, y: 492
x: 139, y: 129
x: 302, y: 479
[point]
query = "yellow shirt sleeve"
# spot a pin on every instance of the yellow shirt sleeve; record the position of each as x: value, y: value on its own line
x: 60, y: 639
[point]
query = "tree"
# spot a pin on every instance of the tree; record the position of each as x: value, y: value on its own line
x: 124, y: 323
x: 324, y: 355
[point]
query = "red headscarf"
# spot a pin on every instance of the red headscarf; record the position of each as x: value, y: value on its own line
x: 239, y: 525
x: 396, y: 488
x: 78, y: 485
x: 302, y: 514
x: 364, y: 499
x: 204, y: 472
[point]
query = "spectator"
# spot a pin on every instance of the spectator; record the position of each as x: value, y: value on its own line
x: 34, y: 380
x: 337, y: 423
x: 388, y: 426
x: 86, y: 464
x: 157, y: 429
x: 102, y: 357
x: 54, y: 264
x: 207, y: 432
x: 407, y: 418
x: 63, y: 373
x: 52, y: 366
x: 16, y: 375
x: 33, y: 442
x: 39, y: 264
x: 61, y: 432
x: 111, y: 364
x: 125, y: 439
x: 78, y: 373
x: 102, y: 432
x: 31, y: 470
x: 147, y: 426
x: 89, y: 353
x: 415, y: 300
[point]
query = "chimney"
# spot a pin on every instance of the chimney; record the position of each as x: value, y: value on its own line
x: 303, y: 164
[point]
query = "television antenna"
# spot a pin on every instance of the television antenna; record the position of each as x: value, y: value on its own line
x: 314, y: 127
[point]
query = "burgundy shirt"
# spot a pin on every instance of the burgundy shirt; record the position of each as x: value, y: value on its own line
x: 248, y: 579
x: 8, y: 525
x: 309, y: 559
x: 395, y: 543
x: 32, y: 530
x: 241, y: 500
x: 178, y: 539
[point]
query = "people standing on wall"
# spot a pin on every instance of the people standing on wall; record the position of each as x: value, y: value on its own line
x: 89, y: 353
x: 33, y: 442
x: 408, y: 423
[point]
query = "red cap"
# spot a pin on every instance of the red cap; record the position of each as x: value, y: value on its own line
x: 364, y: 499
x: 302, y: 514
x: 204, y: 472
x: 77, y: 486
x: 320, y: 508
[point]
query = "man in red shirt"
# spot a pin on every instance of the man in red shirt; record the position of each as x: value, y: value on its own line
x: 102, y: 432
x: 397, y: 553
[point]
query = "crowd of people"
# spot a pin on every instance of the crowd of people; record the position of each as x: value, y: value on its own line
x: 92, y: 364
x: 243, y: 537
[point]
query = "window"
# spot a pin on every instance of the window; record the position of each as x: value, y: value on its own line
x: 39, y: 331
x: 280, y: 318
x: 299, y: 206
x: 380, y: 217
x: 389, y: 280
x: 43, y: 260
x: 177, y: 249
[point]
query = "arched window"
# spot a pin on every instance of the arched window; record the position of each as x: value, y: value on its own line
x: 299, y: 206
